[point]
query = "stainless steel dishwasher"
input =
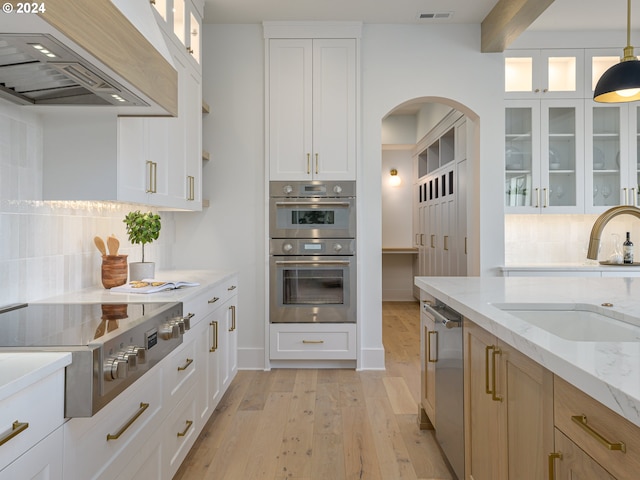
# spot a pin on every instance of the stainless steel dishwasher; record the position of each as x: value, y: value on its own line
x: 449, y: 388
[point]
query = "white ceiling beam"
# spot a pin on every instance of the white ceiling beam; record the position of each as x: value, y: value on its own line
x: 507, y: 20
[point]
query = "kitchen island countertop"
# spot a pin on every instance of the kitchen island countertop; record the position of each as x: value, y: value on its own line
x: 607, y: 371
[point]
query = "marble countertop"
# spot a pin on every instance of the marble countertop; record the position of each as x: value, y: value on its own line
x: 607, y: 371
x: 20, y: 370
x: 578, y: 267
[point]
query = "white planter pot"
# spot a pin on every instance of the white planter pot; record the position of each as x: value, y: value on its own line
x: 141, y: 270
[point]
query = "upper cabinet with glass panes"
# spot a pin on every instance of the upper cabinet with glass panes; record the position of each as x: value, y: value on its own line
x: 182, y: 19
x: 544, y: 74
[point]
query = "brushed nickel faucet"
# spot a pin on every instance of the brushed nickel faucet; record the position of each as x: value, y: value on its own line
x: 601, y: 222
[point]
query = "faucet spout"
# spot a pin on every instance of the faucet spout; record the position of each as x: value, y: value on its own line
x: 601, y: 222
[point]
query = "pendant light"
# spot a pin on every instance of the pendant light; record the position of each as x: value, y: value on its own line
x: 621, y: 83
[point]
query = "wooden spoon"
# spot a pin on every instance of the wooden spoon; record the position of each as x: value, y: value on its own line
x: 100, y: 244
x: 113, y: 244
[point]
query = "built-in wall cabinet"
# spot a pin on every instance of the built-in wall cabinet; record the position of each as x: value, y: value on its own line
x: 439, y: 204
x: 565, y: 153
x: 182, y: 21
x: 312, y: 108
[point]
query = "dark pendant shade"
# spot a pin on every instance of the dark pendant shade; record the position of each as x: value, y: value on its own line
x: 622, y: 76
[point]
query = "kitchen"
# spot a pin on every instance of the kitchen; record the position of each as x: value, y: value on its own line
x: 403, y: 55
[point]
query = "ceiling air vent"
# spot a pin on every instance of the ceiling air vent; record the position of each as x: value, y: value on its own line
x: 434, y: 15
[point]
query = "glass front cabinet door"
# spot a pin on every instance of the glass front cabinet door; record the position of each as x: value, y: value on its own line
x: 543, y: 157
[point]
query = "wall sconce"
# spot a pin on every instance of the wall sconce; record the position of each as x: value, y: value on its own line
x: 395, y: 179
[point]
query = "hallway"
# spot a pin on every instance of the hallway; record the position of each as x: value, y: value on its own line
x: 324, y: 424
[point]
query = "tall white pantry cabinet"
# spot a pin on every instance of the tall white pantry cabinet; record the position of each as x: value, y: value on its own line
x: 312, y: 99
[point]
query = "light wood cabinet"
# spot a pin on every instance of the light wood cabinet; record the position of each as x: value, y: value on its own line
x: 571, y: 462
x: 508, y: 410
x: 312, y: 108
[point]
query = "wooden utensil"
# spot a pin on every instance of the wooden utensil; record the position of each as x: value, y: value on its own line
x: 100, y: 244
x: 113, y: 244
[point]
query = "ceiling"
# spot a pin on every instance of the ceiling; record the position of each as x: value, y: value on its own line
x: 561, y: 15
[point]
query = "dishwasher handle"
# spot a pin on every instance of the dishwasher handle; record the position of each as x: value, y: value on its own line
x: 447, y: 322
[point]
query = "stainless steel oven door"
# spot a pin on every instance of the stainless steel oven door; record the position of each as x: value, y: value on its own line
x: 312, y: 218
x: 312, y: 289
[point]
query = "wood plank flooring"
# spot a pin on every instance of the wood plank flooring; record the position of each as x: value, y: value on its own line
x: 307, y: 424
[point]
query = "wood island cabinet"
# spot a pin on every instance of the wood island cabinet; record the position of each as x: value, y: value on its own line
x: 508, y: 410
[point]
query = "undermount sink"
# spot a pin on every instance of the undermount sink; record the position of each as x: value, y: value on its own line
x: 579, y: 323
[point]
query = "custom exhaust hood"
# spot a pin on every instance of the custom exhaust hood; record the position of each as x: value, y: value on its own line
x: 83, y: 53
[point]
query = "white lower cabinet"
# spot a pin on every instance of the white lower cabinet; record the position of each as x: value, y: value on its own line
x: 101, y: 446
x: 313, y: 341
x: 180, y: 433
x: 31, y: 421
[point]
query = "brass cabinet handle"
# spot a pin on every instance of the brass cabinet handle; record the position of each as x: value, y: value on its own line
x: 316, y: 164
x: 494, y: 394
x: 213, y: 300
x: 308, y: 163
x: 232, y: 287
x: 626, y: 195
x: 546, y: 197
x: 429, y: 348
x: 214, y: 338
x: 186, y: 429
x: 191, y: 195
x: 233, y: 318
x: 433, y: 237
x: 537, y: 198
x: 446, y: 242
x: 150, y: 187
x: 465, y: 245
x: 313, y: 341
x: 487, y: 388
x: 552, y: 470
x: 190, y: 50
x: 422, y: 239
x: 115, y: 436
x: 634, y: 197
x: 186, y: 365
x: 581, y: 420
x: 16, y: 429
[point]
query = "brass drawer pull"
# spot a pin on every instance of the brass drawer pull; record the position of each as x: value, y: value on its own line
x: 487, y: 388
x: 186, y: 429
x: 312, y: 341
x: 233, y: 318
x: 16, y: 428
x: 214, y: 341
x: 494, y: 394
x: 232, y: 287
x: 430, y: 348
x: 552, y: 469
x: 581, y: 420
x: 186, y: 365
x: 115, y: 436
x: 213, y: 300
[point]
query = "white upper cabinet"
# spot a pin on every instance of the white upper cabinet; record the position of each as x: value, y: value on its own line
x: 312, y: 108
x: 182, y: 19
x: 544, y: 148
x: 544, y: 74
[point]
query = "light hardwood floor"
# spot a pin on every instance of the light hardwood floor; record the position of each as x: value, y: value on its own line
x: 305, y: 424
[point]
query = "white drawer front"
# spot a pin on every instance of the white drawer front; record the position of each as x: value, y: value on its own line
x: 313, y: 341
x: 41, y: 406
x: 181, y: 370
x: 180, y: 433
x: 204, y: 304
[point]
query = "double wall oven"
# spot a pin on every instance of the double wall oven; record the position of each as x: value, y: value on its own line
x: 312, y: 228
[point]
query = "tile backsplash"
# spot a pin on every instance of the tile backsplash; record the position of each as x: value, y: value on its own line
x: 46, y: 247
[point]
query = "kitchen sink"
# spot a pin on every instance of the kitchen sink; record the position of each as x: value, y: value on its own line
x: 579, y: 323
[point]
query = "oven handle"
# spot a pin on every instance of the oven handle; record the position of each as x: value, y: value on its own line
x: 313, y: 204
x: 313, y: 262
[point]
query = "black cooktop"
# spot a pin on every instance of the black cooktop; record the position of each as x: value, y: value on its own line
x: 69, y: 324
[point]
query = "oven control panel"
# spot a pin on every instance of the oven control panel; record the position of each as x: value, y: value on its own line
x: 312, y: 246
x: 312, y: 189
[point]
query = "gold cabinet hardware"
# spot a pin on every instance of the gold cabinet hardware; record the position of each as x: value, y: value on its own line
x: 626, y: 195
x: 487, y: 387
x: 213, y: 300
x: 546, y: 198
x: 465, y: 245
x: 430, y: 348
x: 214, y: 338
x: 233, y: 318
x: 316, y: 164
x: 186, y: 429
x: 308, y: 163
x: 446, y: 242
x: 433, y: 238
x: 153, y: 177
x: 313, y: 341
x: 552, y: 470
x: 190, y: 50
x: 152, y: 2
x: 418, y: 238
x: 422, y: 239
x: 581, y: 420
x: 191, y: 188
x: 634, y: 197
x: 537, y: 197
x: 494, y: 394
x: 16, y: 429
x: 115, y: 436
x: 186, y: 365
x: 232, y: 287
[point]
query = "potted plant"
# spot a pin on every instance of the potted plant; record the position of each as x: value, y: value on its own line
x: 142, y: 228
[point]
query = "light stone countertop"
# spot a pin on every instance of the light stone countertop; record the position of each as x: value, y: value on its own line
x: 574, y: 267
x: 19, y: 370
x: 607, y: 371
